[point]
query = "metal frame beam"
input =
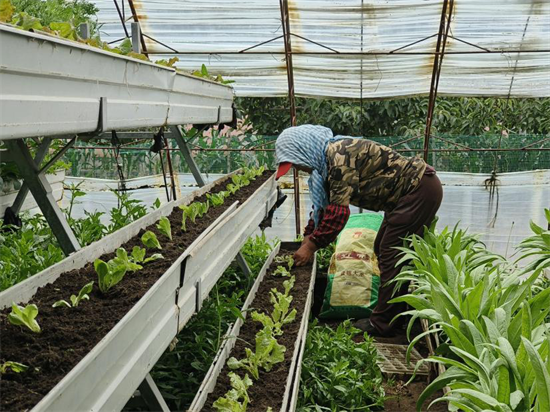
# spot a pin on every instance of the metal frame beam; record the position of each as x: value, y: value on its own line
x: 444, y: 27
x: 285, y: 21
x: 41, y: 190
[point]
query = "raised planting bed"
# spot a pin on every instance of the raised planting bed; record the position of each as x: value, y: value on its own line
x: 94, y: 356
x: 277, y: 388
x: 93, y: 88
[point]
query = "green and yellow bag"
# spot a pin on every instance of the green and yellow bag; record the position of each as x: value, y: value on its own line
x: 353, y: 275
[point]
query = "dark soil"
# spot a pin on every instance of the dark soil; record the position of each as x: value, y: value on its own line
x: 402, y: 398
x: 68, y: 334
x: 269, y: 390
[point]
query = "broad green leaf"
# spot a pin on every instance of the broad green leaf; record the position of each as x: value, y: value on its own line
x: 542, y: 376
x: 164, y: 227
x: 440, y: 382
x: 24, y: 316
x: 150, y: 240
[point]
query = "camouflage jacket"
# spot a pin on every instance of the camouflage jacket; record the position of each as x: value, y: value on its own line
x: 369, y: 175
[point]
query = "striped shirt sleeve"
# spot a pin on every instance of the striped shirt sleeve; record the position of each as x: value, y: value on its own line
x: 332, y: 222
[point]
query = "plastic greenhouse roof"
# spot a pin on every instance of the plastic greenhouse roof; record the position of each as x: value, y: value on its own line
x: 352, y: 26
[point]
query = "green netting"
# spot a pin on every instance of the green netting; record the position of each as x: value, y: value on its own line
x: 101, y: 163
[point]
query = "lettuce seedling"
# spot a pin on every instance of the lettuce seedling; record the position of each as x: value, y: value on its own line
x: 281, y: 271
x: 231, y: 401
x: 164, y: 227
x: 122, y: 259
x: 268, y: 353
x: 14, y: 366
x: 281, y: 306
x: 288, y: 259
x: 203, y: 208
x: 138, y: 256
x: 75, y: 299
x: 24, y: 316
x: 150, y: 240
x: 217, y: 199
x: 232, y: 188
x: 108, y: 274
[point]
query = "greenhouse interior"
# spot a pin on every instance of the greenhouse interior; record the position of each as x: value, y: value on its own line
x: 293, y: 205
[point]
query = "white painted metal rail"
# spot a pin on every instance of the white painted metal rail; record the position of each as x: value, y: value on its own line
x: 110, y: 373
x: 53, y: 87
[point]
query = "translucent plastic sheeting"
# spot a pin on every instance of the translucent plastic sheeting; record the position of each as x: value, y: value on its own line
x: 502, y: 221
x: 380, y: 26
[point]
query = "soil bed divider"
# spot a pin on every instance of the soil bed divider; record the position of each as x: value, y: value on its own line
x: 110, y: 373
x: 293, y: 380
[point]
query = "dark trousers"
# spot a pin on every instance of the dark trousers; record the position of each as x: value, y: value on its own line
x: 413, y: 211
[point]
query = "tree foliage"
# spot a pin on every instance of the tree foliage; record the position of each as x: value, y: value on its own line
x: 402, y: 117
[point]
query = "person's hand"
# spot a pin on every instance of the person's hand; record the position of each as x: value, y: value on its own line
x: 305, y: 254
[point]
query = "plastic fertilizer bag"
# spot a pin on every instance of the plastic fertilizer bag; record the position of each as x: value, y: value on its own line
x: 353, y: 275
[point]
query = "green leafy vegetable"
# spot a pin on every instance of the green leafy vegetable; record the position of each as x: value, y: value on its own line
x: 268, y: 353
x: 138, y: 256
x: 24, y: 316
x: 164, y: 227
x: 14, y: 366
x: 150, y: 240
x: 236, y: 399
x: 216, y: 199
x: 75, y: 299
x: 122, y: 259
x: 108, y: 274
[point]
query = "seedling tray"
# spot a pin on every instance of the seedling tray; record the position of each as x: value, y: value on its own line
x: 110, y: 373
x: 204, y: 396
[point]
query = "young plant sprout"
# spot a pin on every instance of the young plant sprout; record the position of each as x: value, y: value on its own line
x: 281, y: 271
x: 138, y: 256
x: 108, y: 274
x: 26, y: 316
x: 232, y: 188
x: 164, y: 227
x: 216, y: 199
x: 75, y: 299
x: 288, y: 259
x: 14, y: 366
x: 150, y: 240
x: 122, y: 259
x: 231, y: 402
x: 268, y: 353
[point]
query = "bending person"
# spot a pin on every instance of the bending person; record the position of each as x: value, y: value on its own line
x: 366, y: 174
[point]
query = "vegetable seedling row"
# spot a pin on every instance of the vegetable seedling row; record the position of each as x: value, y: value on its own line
x: 278, y: 388
x: 108, y: 344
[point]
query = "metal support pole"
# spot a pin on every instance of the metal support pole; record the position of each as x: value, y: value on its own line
x: 151, y: 395
x: 136, y: 20
x: 285, y: 21
x: 241, y: 261
x: 42, y: 192
x: 136, y: 38
x: 186, y: 153
x: 84, y: 30
x: 24, y: 190
x: 444, y: 26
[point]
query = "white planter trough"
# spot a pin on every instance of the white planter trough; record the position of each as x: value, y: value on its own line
x: 56, y: 182
x: 109, y: 374
x: 41, y: 97
x: 292, y: 384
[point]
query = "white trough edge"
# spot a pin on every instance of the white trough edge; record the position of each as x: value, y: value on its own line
x: 51, y: 99
x: 148, y: 327
x: 229, y: 341
x: 292, y: 384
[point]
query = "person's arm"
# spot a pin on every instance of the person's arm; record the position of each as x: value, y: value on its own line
x: 332, y: 222
x: 334, y: 219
